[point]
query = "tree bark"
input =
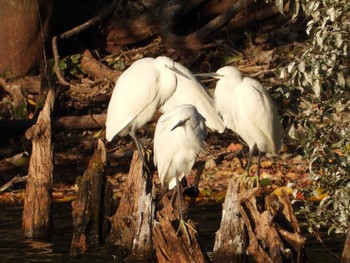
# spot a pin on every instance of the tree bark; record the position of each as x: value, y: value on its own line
x: 96, y: 69
x: 24, y: 30
x: 230, y: 240
x: 37, y: 211
x: 87, y: 208
x: 131, y: 225
x: 171, y: 246
x: 274, y: 232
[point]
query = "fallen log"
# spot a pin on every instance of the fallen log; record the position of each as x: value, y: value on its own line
x: 93, y: 121
x: 87, y: 208
x: 96, y: 69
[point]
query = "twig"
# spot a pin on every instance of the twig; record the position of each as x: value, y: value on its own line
x: 91, y: 22
x: 14, y: 180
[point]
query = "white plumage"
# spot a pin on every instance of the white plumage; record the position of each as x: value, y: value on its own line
x: 179, y: 137
x: 247, y: 108
x: 138, y: 94
x: 190, y: 91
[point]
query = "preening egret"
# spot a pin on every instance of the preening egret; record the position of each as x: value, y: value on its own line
x: 179, y: 137
x: 138, y: 94
x: 190, y: 91
x: 247, y: 108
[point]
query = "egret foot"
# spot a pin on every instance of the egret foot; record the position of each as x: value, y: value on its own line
x: 249, y: 180
x: 184, y: 225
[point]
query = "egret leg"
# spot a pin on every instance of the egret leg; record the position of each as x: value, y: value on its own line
x: 182, y: 223
x: 258, y: 170
x: 249, y: 160
x: 139, y: 146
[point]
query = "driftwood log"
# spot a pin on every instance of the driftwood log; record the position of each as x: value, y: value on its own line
x: 37, y: 210
x: 87, y: 208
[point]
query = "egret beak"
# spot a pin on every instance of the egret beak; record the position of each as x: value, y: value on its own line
x: 211, y: 74
x: 173, y: 68
x: 179, y: 124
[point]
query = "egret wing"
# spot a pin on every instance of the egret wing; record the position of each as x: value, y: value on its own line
x: 165, y: 146
x: 190, y: 91
x: 135, y: 90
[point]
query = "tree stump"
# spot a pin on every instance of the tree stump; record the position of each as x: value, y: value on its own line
x: 230, y: 240
x: 171, y: 246
x: 131, y: 225
x: 274, y: 232
x: 37, y: 210
x: 87, y: 208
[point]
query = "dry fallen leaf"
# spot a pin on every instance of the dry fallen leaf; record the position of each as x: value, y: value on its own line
x: 234, y: 147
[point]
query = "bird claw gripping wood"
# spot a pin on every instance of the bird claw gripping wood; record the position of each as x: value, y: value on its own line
x: 249, y: 180
x: 184, y: 225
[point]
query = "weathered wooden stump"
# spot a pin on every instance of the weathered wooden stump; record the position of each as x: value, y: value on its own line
x: 87, y: 208
x: 131, y: 225
x: 273, y: 230
x: 37, y: 210
x: 171, y: 246
x: 231, y: 238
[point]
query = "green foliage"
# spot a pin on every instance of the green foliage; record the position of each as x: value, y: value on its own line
x: 71, y: 65
x: 320, y: 70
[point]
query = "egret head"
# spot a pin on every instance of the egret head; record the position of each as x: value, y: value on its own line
x: 227, y: 72
x: 165, y: 62
x: 189, y: 115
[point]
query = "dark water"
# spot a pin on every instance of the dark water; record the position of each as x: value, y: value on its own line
x: 16, y: 248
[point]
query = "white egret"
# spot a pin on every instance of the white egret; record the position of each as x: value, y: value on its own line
x: 149, y: 85
x: 138, y: 94
x: 190, y: 91
x: 179, y: 137
x: 247, y: 109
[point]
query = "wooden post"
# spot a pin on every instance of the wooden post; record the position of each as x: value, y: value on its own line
x: 87, y: 208
x: 37, y: 214
x: 230, y: 240
x: 131, y: 225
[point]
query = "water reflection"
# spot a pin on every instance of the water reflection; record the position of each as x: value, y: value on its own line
x: 16, y: 248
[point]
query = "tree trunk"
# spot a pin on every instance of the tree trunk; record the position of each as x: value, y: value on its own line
x: 23, y: 32
x: 87, y: 208
x: 37, y: 214
x: 230, y: 239
x: 131, y: 225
